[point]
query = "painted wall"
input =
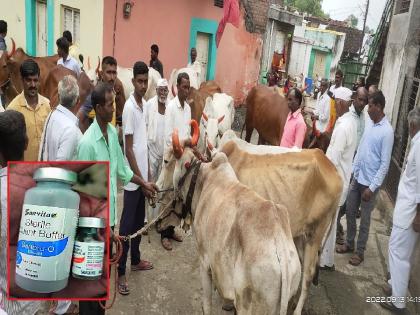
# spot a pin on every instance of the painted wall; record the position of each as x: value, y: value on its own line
x: 91, y: 26
x: 168, y: 26
x: 14, y: 15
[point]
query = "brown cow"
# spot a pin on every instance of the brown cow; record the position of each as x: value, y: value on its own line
x: 266, y: 111
x: 197, y: 98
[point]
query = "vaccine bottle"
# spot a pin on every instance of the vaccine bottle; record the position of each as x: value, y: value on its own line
x: 47, y: 231
x: 88, y: 254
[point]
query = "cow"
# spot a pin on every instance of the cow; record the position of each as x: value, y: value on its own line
x: 217, y: 118
x: 244, y: 241
x: 266, y: 111
x: 7, y: 85
x: 304, y: 181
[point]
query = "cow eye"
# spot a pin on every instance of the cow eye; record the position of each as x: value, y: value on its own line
x: 165, y: 161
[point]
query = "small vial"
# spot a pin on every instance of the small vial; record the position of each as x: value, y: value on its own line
x: 88, y: 254
x: 47, y: 231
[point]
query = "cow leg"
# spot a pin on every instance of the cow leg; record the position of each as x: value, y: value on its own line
x: 207, y: 284
x: 310, y: 260
x: 248, y: 134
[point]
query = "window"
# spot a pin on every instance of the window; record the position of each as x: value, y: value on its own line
x: 71, y: 22
x: 218, y: 3
x: 402, y: 6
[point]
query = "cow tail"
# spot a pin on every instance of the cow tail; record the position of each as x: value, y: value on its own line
x: 243, y: 127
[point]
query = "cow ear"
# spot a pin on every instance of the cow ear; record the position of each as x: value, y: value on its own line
x: 187, y: 165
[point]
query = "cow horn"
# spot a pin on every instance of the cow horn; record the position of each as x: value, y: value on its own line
x: 13, y: 49
x: 88, y: 63
x: 205, y: 116
x: 97, y: 68
x: 196, y: 132
x: 210, y: 146
x: 178, y: 150
x: 173, y: 90
x: 220, y: 119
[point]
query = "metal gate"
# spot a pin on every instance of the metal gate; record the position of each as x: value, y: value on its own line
x: 409, y: 98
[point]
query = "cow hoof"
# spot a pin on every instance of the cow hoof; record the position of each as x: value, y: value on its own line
x: 228, y: 306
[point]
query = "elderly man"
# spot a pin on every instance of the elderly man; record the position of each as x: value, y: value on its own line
x: 61, y: 134
x: 177, y: 115
x: 34, y: 107
x: 322, y: 107
x: 195, y: 65
x: 406, y: 221
x: 66, y: 60
x: 369, y: 170
x: 340, y: 152
x: 295, y: 128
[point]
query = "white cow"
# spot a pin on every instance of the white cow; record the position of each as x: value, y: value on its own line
x: 217, y: 118
x: 174, y: 75
x: 244, y: 242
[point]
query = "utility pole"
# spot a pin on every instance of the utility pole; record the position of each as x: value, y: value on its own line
x: 364, y: 26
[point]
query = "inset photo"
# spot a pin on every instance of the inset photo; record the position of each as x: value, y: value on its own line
x: 58, y: 223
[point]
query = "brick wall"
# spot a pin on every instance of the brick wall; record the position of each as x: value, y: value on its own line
x: 257, y: 11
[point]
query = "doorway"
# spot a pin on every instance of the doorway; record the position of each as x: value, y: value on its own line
x: 41, y: 28
x: 203, y: 40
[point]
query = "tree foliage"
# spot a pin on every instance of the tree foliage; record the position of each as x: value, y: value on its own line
x: 353, y: 20
x: 313, y: 7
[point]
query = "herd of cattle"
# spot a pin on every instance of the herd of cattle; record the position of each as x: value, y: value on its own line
x: 259, y: 212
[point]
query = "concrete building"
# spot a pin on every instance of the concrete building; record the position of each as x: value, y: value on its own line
x: 316, y: 51
x: 35, y: 25
x: 175, y: 28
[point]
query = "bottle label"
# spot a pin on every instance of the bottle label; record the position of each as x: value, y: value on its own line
x: 45, y: 246
x: 88, y: 258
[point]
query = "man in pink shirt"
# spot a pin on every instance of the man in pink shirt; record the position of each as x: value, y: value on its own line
x: 295, y: 128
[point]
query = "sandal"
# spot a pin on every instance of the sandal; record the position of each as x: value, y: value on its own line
x: 356, y: 260
x: 123, y: 289
x: 343, y: 249
x: 142, y: 265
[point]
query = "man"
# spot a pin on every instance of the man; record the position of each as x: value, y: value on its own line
x: 195, y: 65
x: 322, y: 107
x: 100, y: 143
x: 155, y: 122
x: 406, y: 221
x: 34, y: 107
x: 3, y: 33
x: 369, y: 170
x: 177, y: 115
x: 61, y: 134
x: 337, y: 82
x: 73, y: 49
x: 340, y: 152
x: 66, y: 60
x: 108, y: 74
x: 358, y: 111
x: 12, y: 145
x: 154, y: 61
x: 295, y: 128
x: 136, y: 153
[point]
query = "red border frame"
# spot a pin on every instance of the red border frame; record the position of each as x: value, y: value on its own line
x: 107, y: 233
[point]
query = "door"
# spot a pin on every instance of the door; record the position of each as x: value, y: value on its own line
x: 202, y: 47
x: 41, y: 21
x: 320, y: 63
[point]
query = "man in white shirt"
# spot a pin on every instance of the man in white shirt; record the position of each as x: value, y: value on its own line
x: 177, y: 115
x: 340, y: 152
x: 338, y: 82
x: 136, y: 153
x: 406, y: 221
x: 322, y: 107
x: 61, y: 134
x: 66, y: 60
x: 196, y: 65
x: 155, y: 123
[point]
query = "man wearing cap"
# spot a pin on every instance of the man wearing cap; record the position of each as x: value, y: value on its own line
x: 340, y: 152
x: 155, y: 123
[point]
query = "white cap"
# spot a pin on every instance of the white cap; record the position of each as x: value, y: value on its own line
x: 343, y: 93
x: 162, y: 83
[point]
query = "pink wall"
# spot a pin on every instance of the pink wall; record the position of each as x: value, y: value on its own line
x: 167, y: 23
